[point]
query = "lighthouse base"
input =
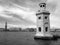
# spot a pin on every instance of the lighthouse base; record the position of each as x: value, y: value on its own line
x: 46, y: 37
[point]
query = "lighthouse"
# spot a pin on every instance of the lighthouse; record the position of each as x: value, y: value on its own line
x: 43, y: 22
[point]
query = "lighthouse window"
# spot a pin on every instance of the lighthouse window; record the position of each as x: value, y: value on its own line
x: 41, y: 6
x: 46, y: 29
x: 40, y: 29
x: 45, y: 17
x: 39, y: 17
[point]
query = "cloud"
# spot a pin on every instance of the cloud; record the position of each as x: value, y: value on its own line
x: 22, y: 12
x: 16, y: 14
x: 54, y: 21
x: 19, y: 13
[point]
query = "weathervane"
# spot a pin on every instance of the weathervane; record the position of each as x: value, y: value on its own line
x: 43, y: 1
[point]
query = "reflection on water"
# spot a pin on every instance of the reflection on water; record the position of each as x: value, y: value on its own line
x: 43, y: 42
x: 24, y: 38
x: 47, y: 42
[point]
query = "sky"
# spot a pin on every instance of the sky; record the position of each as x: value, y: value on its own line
x: 22, y: 13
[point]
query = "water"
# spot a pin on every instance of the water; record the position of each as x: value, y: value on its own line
x: 23, y: 38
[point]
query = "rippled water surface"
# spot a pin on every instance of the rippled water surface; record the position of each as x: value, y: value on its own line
x: 23, y: 38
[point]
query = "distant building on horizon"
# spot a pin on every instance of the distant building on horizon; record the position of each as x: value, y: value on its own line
x: 6, y: 27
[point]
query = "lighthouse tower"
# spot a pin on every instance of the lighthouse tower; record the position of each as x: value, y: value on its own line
x: 43, y: 22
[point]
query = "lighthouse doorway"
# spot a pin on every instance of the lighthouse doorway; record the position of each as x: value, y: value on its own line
x: 46, y: 29
x: 39, y: 29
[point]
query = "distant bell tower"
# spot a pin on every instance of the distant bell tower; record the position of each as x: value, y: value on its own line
x: 43, y: 22
x: 5, y: 26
